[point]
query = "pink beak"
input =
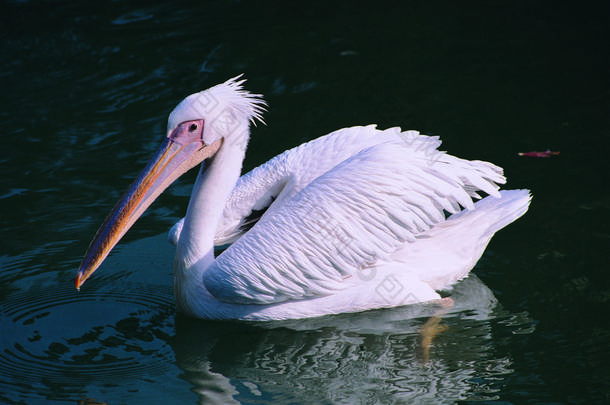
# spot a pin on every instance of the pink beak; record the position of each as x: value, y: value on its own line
x: 182, y: 150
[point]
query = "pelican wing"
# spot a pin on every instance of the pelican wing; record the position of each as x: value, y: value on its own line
x: 279, y: 179
x: 355, y: 214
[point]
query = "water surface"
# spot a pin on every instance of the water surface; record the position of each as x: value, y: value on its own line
x: 87, y: 88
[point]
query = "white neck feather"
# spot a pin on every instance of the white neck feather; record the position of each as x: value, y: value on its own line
x: 228, y: 110
x: 195, y: 248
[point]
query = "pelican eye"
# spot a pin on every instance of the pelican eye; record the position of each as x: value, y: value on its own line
x: 193, y: 128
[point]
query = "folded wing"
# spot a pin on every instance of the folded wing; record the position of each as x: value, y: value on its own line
x: 358, y: 212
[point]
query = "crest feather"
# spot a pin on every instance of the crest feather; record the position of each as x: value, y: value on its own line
x: 214, y: 101
x: 248, y: 103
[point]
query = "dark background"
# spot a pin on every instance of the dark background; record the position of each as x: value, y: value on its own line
x: 87, y: 87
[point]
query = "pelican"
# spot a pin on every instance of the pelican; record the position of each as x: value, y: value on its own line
x: 356, y: 220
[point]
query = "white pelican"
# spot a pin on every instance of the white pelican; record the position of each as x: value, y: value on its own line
x: 355, y: 220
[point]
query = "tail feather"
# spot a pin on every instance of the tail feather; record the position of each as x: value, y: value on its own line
x: 498, y: 212
x: 447, y: 252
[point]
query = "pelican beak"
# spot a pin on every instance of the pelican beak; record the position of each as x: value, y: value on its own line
x: 182, y: 150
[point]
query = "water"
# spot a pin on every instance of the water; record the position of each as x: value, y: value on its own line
x: 87, y: 88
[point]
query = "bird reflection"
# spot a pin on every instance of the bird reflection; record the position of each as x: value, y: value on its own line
x: 348, y: 358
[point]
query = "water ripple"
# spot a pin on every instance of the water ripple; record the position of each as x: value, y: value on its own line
x: 62, y: 338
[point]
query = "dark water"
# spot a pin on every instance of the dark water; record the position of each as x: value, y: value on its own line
x: 87, y: 87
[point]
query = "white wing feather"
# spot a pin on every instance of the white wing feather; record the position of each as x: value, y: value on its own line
x: 286, y: 174
x: 394, y: 187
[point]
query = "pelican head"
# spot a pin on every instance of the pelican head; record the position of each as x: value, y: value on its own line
x: 197, y: 128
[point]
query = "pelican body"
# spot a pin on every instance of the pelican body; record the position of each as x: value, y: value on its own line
x: 355, y: 220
